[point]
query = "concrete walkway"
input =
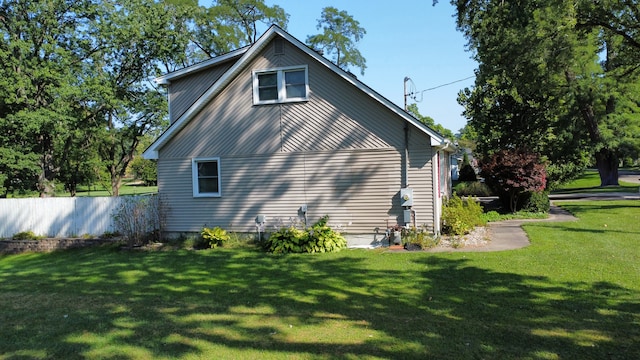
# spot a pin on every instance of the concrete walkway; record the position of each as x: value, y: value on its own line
x: 509, y: 235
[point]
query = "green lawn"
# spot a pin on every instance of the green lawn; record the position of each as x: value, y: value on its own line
x: 127, y: 188
x: 589, y: 182
x: 573, y: 294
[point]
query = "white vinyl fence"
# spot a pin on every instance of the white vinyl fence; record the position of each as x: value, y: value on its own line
x: 59, y: 217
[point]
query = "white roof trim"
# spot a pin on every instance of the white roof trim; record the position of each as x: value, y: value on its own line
x: 166, y: 79
x: 248, y: 53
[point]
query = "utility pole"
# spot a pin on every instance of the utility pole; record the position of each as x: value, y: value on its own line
x: 406, y: 78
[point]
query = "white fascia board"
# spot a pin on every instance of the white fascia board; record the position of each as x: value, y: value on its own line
x: 166, y: 79
x: 150, y: 154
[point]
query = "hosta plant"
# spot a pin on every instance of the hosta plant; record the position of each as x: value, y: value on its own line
x: 215, y: 237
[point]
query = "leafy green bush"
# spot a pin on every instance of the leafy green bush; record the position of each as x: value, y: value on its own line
x: 26, y: 235
x: 320, y: 237
x: 419, y: 237
x: 472, y: 188
x: 460, y: 216
x: 491, y: 216
x: 536, y: 202
x: 286, y: 240
x: 215, y: 237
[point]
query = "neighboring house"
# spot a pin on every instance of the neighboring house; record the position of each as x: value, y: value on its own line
x: 275, y: 131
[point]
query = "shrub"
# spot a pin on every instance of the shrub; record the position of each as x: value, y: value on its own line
x: 286, y: 240
x: 512, y: 173
x: 110, y: 234
x: 536, y: 202
x: 472, y: 188
x: 139, y: 219
x: 215, y: 237
x: 467, y: 172
x: 26, y: 235
x: 491, y: 216
x: 419, y: 237
x: 145, y: 170
x: 320, y: 237
x: 460, y: 216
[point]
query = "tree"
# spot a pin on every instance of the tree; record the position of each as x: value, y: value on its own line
x: 225, y: 25
x: 144, y: 169
x: 339, y: 38
x: 467, y: 172
x: 541, y: 83
x: 246, y: 14
x: 76, y: 94
x: 136, y: 36
x: 42, y: 48
x: 427, y: 120
x: 512, y: 173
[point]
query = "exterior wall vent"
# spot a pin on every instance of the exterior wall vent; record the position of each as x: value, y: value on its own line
x: 278, y: 46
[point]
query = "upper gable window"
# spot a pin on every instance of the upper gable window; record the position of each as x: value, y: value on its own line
x: 281, y: 85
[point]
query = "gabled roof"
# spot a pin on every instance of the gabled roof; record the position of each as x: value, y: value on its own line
x: 246, y: 55
x: 166, y: 79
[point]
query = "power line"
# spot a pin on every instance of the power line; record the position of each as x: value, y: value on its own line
x: 413, y: 93
x: 447, y: 84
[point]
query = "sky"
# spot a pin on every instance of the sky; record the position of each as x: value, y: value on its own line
x: 405, y: 38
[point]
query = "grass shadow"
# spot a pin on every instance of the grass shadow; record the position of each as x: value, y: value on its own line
x: 356, y: 304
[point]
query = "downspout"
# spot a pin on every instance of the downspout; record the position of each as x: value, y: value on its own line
x: 406, y: 139
x: 406, y: 155
x: 436, y: 188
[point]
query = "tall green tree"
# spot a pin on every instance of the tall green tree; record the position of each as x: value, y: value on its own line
x: 76, y: 94
x: 427, y: 120
x: 339, y: 38
x: 42, y: 47
x: 226, y: 25
x: 542, y: 83
x: 138, y: 36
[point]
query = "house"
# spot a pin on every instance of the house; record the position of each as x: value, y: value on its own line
x: 274, y: 131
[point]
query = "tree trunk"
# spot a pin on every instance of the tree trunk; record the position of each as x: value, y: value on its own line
x: 607, y: 163
x: 116, y: 181
x: 46, y: 177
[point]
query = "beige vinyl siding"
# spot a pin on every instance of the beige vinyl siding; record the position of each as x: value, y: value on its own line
x: 420, y: 179
x: 336, y: 117
x: 355, y: 188
x: 341, y: 153
x: 229, y: 124
x: 183, y: 92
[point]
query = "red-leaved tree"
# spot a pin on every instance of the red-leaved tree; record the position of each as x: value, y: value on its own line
x: 512, y: 173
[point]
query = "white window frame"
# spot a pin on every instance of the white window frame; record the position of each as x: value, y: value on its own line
x: 281, y: 86
x: 194, y: 177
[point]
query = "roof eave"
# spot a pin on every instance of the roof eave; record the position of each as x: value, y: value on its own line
x: 244, y: 56
x: 167, y: 78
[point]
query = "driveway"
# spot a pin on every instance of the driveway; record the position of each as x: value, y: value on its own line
x: 630, y: 176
